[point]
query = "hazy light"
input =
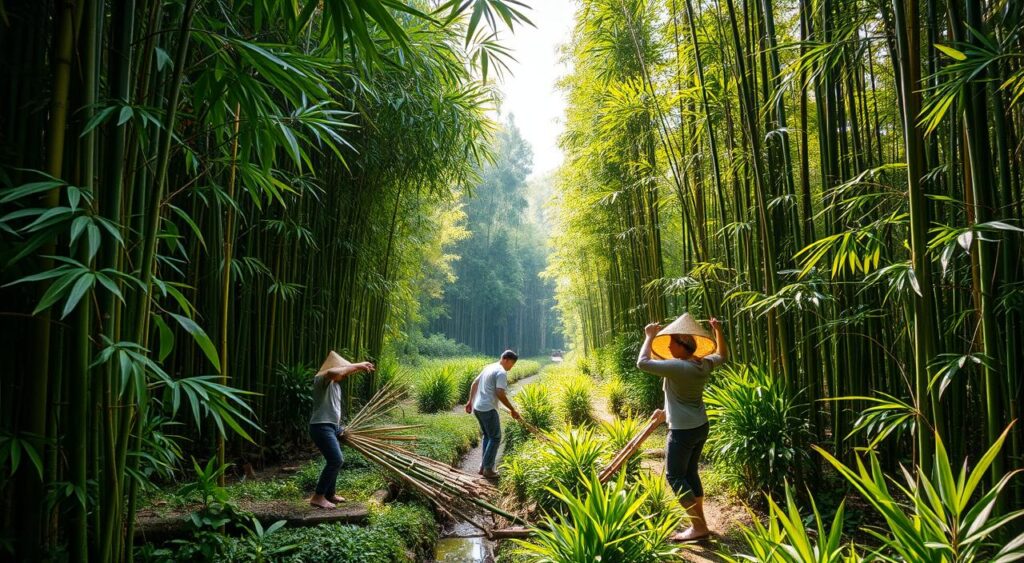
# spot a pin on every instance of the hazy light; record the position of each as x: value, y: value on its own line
x: 529, y: 91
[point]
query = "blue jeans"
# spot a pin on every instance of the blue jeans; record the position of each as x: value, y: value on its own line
x: 682, y: 456
x: 490, y: 425
x: 325, y: 436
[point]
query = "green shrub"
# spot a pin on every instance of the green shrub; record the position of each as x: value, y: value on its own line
x: 537, y: 467
x: 439, y: 346
x: 788, y: 539
x: 619, y: 432
x: 603, y: 523
x: 413, y: 523
x: 534, y: 403
x: 332, y: 542
x: 466, y: 372
x: 760, y: 430
x: 661, y: 499
x: 436, y: 391
x: 293, y: 401
x: 395, y: 532
x: 643, y: 390
x: 575, y: 401
x: 617, y: 397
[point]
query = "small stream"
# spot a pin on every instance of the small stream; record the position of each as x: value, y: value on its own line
x: 462, y: 542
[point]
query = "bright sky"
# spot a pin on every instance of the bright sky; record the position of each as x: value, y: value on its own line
x: 529, y: 92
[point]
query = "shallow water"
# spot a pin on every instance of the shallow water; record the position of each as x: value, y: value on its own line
x: 464, y: 550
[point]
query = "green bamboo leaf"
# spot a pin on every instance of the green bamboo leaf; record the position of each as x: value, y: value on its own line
x: 28, y: 190
x: 56, y: 290
x: 125, y: 114
x: 166, y: 338
x: 85, y: 282
x: 200, y: 337
x: 951, y: 52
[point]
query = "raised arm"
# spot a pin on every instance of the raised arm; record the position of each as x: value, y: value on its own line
x: 722, y: 349
x: 644, y: 361
x: 339, y: 374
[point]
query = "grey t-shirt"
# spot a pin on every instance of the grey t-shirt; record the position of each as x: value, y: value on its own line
x: 683, y: 386
x: 327, y: 408
x: 491, y: 378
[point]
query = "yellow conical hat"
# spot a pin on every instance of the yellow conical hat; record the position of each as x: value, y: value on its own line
x: 333, y: 361
x: 685, y: 324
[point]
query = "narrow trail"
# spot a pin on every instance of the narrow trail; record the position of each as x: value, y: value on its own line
x: 462, y: 542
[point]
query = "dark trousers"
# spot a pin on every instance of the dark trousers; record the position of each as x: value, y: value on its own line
x: 682, y: 456
x: 490, y: 426
x: 325, y: 436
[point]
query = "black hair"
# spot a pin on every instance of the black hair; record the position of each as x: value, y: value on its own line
x: 686, y: 341
x: 509, y: 355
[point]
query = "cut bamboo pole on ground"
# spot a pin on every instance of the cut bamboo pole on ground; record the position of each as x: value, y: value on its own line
x: 453, y: 492
x: 656, y: 420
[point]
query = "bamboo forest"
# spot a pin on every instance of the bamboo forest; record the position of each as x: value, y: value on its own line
x: 819, y: 204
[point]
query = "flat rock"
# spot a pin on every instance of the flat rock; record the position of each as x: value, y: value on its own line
x: 152, y: 527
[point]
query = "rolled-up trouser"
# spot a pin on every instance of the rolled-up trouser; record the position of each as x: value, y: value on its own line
x: 325, y: 436
x: 490, y: 426
x: 682, y: 456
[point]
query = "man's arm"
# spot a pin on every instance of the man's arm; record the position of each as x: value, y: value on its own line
x: 339, y: 374
x: 644, y: 361
x: 722, y: 349
x: 503, y: 397
x: 472, y: 393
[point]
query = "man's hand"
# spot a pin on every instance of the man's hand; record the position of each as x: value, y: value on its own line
x: 366, y: 366
x: 715, y: 323
x: 469, y: 408
x: 652, y: 329
x: 515, y: 415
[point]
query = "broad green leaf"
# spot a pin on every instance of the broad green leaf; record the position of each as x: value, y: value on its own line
x: 951, y: 52
x: 200, y: 337
x: 166, y: 338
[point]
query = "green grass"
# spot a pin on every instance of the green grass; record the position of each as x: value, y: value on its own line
x: 444, y: 436
x: 398, y: 532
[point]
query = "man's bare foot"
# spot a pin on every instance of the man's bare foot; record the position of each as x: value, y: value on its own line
x: 320, y: 502
x: 690, y: 535
x: 336, y: 499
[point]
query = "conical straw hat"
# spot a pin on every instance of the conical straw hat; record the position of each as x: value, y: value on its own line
x: 684, y: 324
x: 333, y: 361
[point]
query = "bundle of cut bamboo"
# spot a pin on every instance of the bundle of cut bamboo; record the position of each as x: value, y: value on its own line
x: 454, y: 492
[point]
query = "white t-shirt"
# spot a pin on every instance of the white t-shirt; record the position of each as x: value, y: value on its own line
x: 492, y: 378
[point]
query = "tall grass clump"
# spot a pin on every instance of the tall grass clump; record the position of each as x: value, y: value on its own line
x: 293, y: 401
x: 603, y: 522
x: 524, y: 369
x: 618, y: 397
x: 576, y: 402
x: 466, y: 370
x: 535, y: 406
x: 564, y: 459
x: 436, y: 391
x: 643, y: 391
x: 618, y: 433
x: 760, y: 429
